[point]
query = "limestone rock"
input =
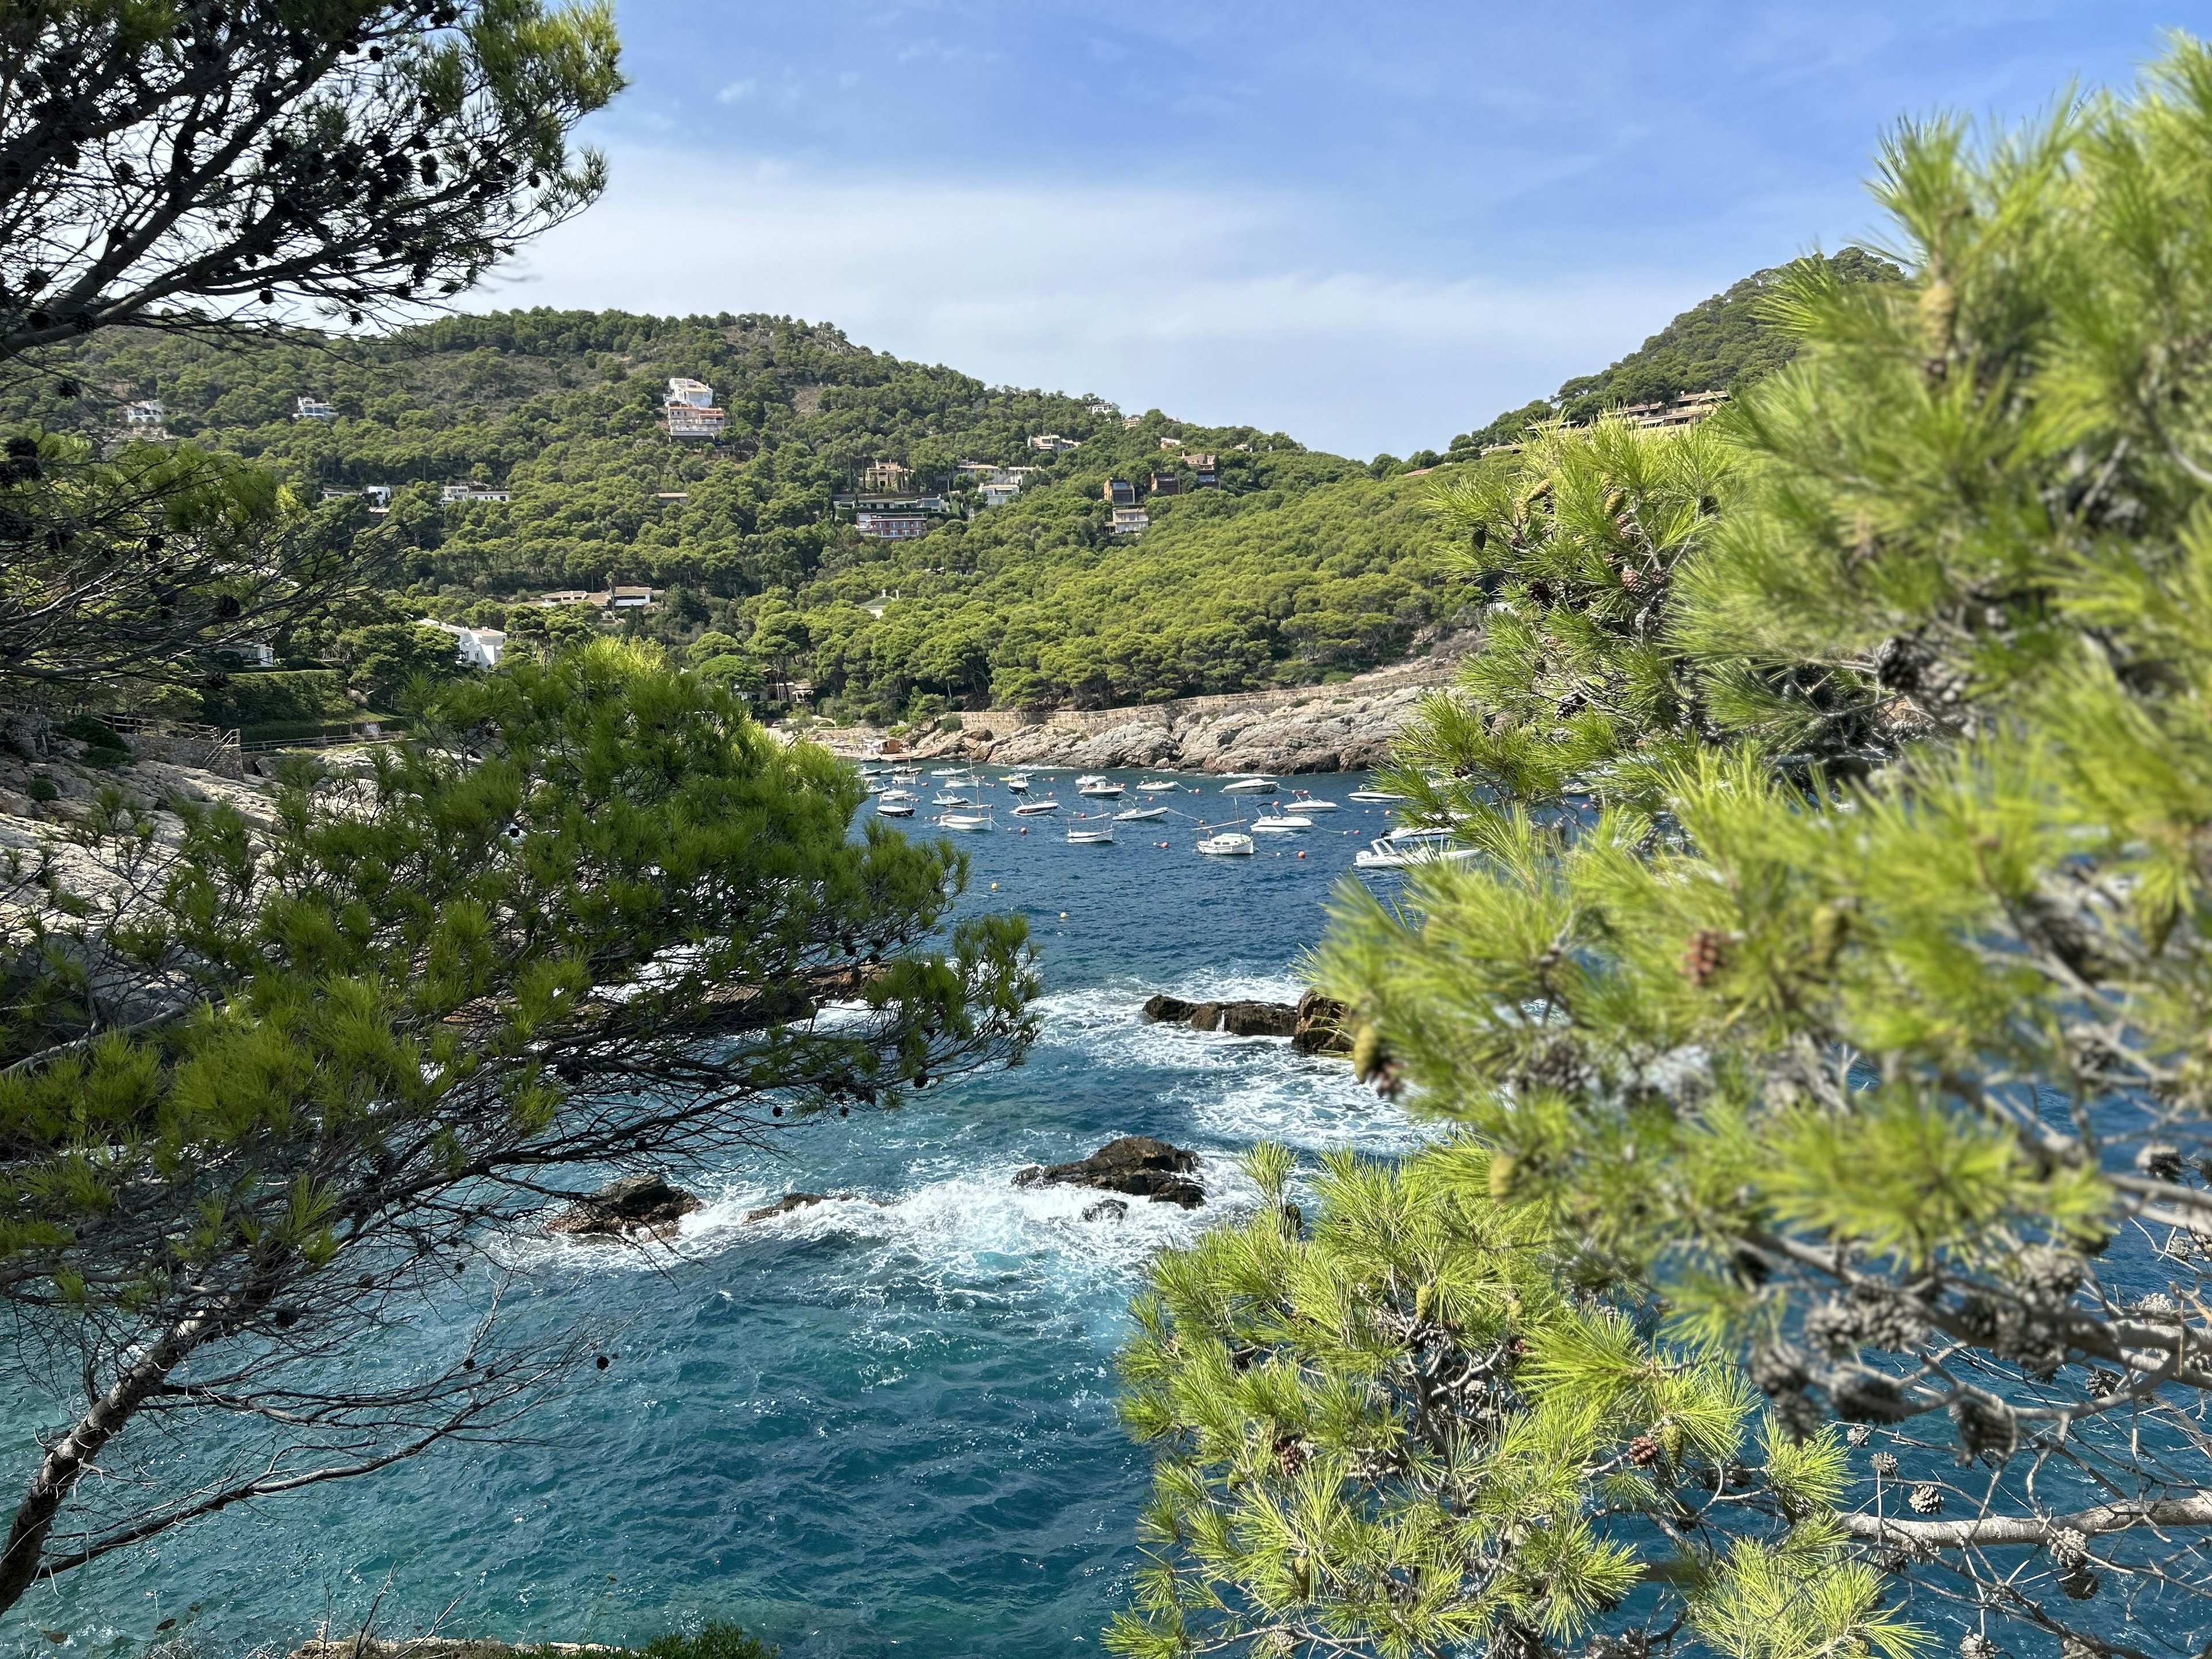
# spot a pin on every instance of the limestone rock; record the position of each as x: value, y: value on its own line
x: 1136, y: 1166
x: 635, y: 1206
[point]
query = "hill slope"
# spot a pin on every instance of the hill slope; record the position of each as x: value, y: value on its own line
x: 1301, y: 567
x: 1716, y: 344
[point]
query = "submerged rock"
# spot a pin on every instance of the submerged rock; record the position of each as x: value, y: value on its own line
x: 1106, y: 1209
x: 1174, y: 1010
x: 1137, y: 1165
x: 637, y: 1206
x: 790, y: 1201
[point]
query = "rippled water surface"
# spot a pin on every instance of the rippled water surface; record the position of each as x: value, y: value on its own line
x: 883, y: 1426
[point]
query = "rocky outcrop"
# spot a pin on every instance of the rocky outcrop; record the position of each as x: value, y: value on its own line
x: 1324, y: 1026
x: 1106, y: 1209
x: 1315, y: 1026
x: 1346, y: 728
x: 1135, y: 1165
x: 635, y: 1206
x: 790, y: 1201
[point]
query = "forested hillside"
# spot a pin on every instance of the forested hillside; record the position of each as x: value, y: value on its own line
x: 1722, y: 343
x: 1298, y: 568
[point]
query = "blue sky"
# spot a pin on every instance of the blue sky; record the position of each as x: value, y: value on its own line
x: 1370, y: 226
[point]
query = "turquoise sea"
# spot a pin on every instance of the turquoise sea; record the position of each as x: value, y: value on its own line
x: 875, y: 1427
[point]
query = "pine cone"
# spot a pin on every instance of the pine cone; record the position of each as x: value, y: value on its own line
x: 2160, y: 1161
x: 1644, y: 1451
x: 2080, y: 1647
x: 1985, y: 1430
x: 1858, y: 1434
x: 2069, y: 1548
x: 1706, y: 954
x: 1975, y: 1645
x: 1290, y: 1455
x: 1885, y: 1465
x: 1927, y: 1498
x: 2079, y: 1584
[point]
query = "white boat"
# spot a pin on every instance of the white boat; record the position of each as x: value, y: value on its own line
x: 894, y: 809
x: 952, y: 800
x: 1226, y: 846
x: 1371, y: 796
x: 1140, y: 815
x: 1280, y: 825
x: 1100, y: 789
x: 899, y: 794
x: 1030, y: 809
x: 1155, y: 786
x: 1249, y: 787
x: 944, y: 771
x: 906, y: 775
x: 965, y: 821
x: 1091, y: 837
x: 1017, y: 781
x: 1401, y: 850
x: 1301, y: 803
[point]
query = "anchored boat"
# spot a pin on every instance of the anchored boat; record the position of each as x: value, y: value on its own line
x: 1401, y: 850
x: 1226, y: 846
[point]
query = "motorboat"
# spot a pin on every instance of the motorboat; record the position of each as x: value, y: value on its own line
x: 1017, y: 781
x: 1280, y: 824
x: 1305, y: 804
x: 965, y: 821
x: 952, y: 800
x: 1099, y: 789
x: 888, y: 808
x: 1249, y: 787
x: 1373, y: 797
x: 1094, y: 837
x: 1155, y: 786
x: 1230, y: 845
x: 944, y: 771
x: 1030, y: 809
x: 906, y: 775
x: 899, y: 794
x: 1401, y: 850
x: 1140, y: 815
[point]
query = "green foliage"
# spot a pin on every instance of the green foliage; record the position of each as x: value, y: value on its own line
x: 711, y: 1641
x: 1299, y: 566
x: 1398, y: 1432
x: 1727, y: 342
x: 1858, y: 1018
x: 265, y: 1077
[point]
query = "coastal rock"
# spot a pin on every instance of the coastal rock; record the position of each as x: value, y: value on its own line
x: 1106, y: 1209
x: 1324, y: 1026
x: 787, y: 1204
x: 1204, y: 1017
x: 1136, y: 1166
x: 1275, y: 1019
x: 640, y: 1205
x: 1173, y: 1010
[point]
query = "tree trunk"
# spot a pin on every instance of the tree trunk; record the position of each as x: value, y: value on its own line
x: 67, y: 1459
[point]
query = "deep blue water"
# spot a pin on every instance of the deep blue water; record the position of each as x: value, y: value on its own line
x: 864, y: 1429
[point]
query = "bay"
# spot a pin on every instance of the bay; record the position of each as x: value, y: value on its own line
x: 873, y: 1427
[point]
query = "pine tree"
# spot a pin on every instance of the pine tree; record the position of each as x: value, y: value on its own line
x: 265, y: 1083
x: 1858, y: 1033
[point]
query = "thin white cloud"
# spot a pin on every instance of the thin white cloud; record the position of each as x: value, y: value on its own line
x: 737, y: 92
x: 1254, y: 310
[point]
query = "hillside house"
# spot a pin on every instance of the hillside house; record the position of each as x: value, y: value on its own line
x: 1205, y: 473
x: 313, y: 409
x: 1051, y: 443
x: 631, y: 599
x: 1686, y: 410
x: 1171, y: 443
x: 998, y: 494
x: 689, y: 409
x: 891, y: 526
x: 1130, y: 520
x: 1165, y: 484
x: 147, y: 411
x: 473, y: 647
x: 468, y: 495
x: 1120, y: 492
x: 565, y: 596
x: 887, y: 478
x: 1130, y: 422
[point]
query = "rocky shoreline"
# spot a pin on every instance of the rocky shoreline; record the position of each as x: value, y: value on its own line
x: 1346, y: 728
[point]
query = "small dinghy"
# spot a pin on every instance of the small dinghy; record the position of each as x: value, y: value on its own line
x: 1280, y: 825
x: 970, y: 820
x: 1249, y: 787
x: 1155, y: 786
x: 1369, y: 797
x: 1091, y: 837
x: 1029, y: 809
x: 894, y: 809
x: 1140, y: 815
